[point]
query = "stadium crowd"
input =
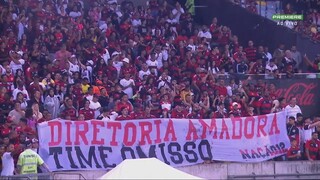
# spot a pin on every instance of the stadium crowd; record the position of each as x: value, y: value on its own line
x: 81, y: 60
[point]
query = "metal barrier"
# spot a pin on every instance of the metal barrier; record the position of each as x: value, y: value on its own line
x: 289, y: 176
x: 45, y: 176
x: 57, y: 174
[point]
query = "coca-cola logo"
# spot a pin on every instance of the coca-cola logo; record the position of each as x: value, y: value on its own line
x: 304, y: 92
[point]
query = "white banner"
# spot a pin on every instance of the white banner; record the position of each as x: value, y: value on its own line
x: 96, y: 144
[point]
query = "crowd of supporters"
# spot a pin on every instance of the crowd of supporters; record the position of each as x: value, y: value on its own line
x: 80, y: 60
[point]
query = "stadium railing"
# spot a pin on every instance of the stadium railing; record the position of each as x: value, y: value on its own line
x: 45, y: 176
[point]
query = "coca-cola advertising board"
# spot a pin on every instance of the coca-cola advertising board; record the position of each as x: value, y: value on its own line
x: 307, y: 92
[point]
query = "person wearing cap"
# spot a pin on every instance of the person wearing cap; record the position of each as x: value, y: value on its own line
x: 35, y: 145
x: 235, y: 110
x: 8, y: 161
x: 29, y: 160
x: 116, y: 62
x: 127, y: 68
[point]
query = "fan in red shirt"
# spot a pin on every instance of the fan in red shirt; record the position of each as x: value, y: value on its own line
x: 196, y: 113
x: 179, y: 112
x: 4, y: 83
x: 111, y: 71
x: 35, y: 86
x: 31, y: 71
x: 69, y: 111
x: 127, y: 68
x: 214, y: 29
x: 124, y: 103
x: 265, y: 103
x: 224, y: 36
x: 293, y: 152
x: 86, y: 111
x: 221, y: 111
x: 313, y: 147
x: 257, y: 67
x: 249, y: 111
x: 236, y: 112
x: 124, y: 115
x: 137, y: 113
x: 222, y: 88
x: 251, y: 52
x: 240, y: 55
x: 253, y: 96
x: 215, y: 56
x: 9, y: 74
x: 147, y: 113
x: 47, y: 116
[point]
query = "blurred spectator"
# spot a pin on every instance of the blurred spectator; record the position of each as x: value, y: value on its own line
x: 294, y: 153
x: 312, y: 147
x: 8, y: 162
x: 292, y: 109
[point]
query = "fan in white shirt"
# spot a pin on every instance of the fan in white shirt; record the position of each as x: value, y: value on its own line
x: 271, y: 66
x: 106, y: 116
x: 177, y: 11
x: 8, y: 162
x: 117, y: 63
x: 16, y: 62
x: 95, y: 105
x: 22, y: 89
x: 144, y: 71
x: 164, y: 81
x: 153, y: 63
x: 136, y: 22
x: 127, y: 83
x: 292, y: 109
x: 268, y: 55
x: 73, y: 67
x: 75, y: 13
x: 205, y: 33
x: 191, y: 45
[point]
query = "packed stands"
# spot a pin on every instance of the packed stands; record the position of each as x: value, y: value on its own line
x: 80, y: 60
